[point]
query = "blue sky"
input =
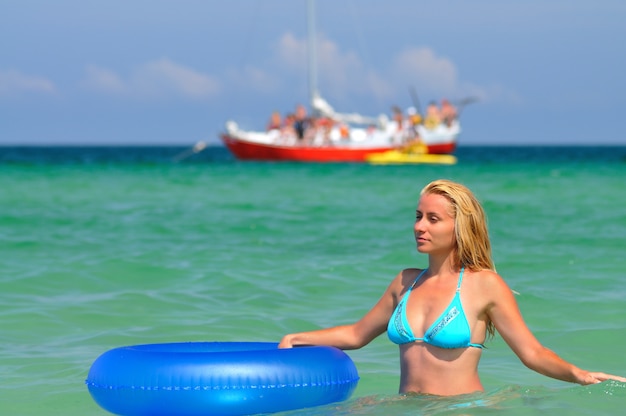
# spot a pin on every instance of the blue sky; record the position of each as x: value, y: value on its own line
x: 173, y: 72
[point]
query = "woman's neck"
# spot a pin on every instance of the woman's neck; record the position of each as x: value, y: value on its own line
x: 438, y: 265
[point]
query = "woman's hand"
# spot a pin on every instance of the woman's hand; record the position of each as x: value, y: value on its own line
x: 596, y: 377
x: 285, y: 342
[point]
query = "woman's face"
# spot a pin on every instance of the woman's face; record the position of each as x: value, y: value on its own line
x: 434, y: 225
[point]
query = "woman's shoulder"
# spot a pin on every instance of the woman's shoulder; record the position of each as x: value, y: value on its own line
x: 409, y: 274
x: 487, y: 282
x: 403, y: 280
x: 407, y: 277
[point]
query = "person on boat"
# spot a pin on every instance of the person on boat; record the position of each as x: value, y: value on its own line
x: 302, y: 123
x: 413, y: 143
x: 398, y: 117
x: 413, y: 120
x: 324, y: 126
x: 433, y: 116
x: 275, y: 122
x: 400, y: 124
x: 448, y: 112
x: 441, y: 315
x: 289, y: 131
x: 344, y: 131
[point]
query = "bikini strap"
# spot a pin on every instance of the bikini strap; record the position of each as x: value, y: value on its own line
x: 458, y: 287
x: 417, y: 279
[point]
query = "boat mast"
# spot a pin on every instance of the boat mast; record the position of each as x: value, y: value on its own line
x: 319, y: 106
x: 312, y: 53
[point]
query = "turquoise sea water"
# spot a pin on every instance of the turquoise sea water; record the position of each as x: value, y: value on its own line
x: 107, y: 247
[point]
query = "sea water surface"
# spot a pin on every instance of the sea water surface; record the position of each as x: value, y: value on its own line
x: 106, y: 247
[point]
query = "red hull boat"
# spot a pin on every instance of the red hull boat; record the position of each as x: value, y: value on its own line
x: 344, y: 138
x: 271, y: 146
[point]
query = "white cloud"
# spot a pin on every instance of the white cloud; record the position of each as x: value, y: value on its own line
x: 422, y: 66
x: 101, y: 79
x: 254, y: 78
x: 342, y: 73
x: 14, y: 82
x: 156, y: 79
x: 438, y: 77
x: 292, y: 52
x: 339, y: 68
x: 288, y: 57
x: 343, y: 76
x: 164, y: 76
x: 346, y: 81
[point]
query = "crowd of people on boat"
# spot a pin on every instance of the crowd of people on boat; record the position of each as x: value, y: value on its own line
x: 306, y: 128
x: 434, y: 116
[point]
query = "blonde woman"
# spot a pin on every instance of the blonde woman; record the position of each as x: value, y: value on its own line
x: 441, y: 316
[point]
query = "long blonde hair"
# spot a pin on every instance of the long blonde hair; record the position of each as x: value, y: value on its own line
x: 473, y: 248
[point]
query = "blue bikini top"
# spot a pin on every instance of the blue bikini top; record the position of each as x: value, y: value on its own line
x: 451, y: 330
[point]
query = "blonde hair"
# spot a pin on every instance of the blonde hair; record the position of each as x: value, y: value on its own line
x: 472, y: 248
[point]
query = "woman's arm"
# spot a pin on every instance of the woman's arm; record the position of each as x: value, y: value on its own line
x: 345, y: 337
x: 505, y: 314
x: 355, y: 335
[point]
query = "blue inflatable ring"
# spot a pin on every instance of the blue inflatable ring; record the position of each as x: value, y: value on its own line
x: 219, y: 378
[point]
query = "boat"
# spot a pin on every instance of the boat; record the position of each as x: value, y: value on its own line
x: 399, y: 157
x: 333, y: 136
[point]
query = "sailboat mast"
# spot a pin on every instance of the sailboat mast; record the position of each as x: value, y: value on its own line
x: 311, y: 41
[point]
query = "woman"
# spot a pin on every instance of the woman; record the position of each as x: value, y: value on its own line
x: 441, y: 316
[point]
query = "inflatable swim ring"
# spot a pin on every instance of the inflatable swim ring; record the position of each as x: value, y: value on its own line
x: 219, y: 378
